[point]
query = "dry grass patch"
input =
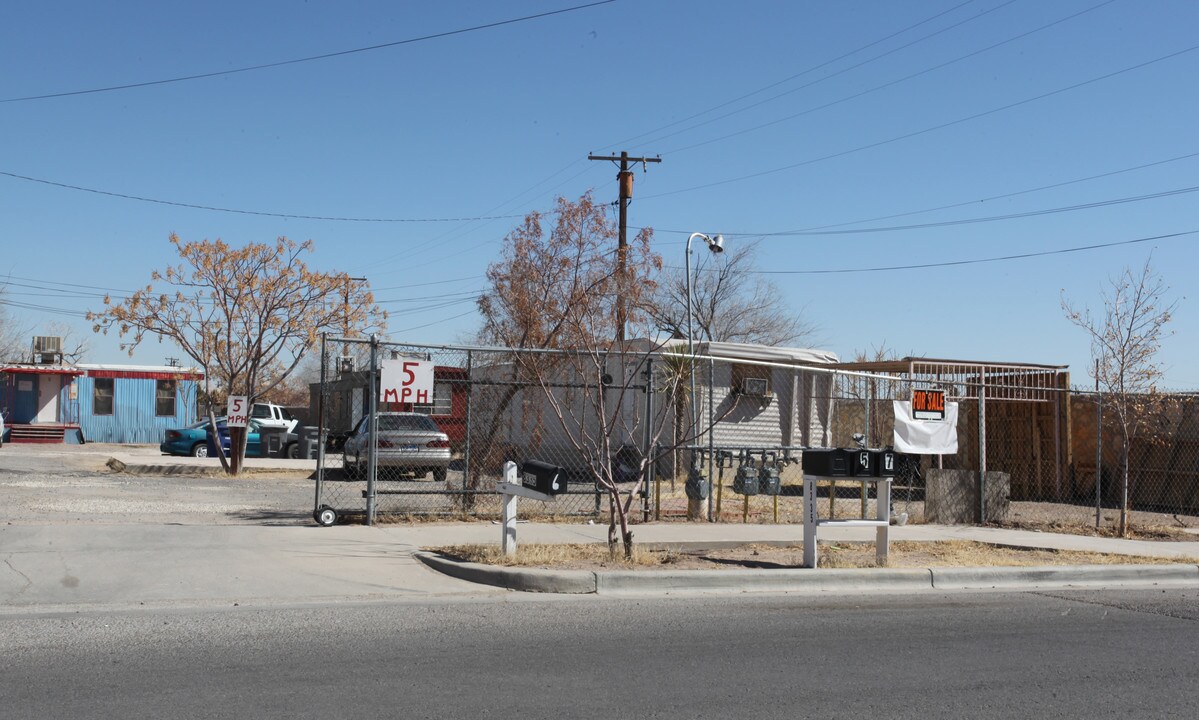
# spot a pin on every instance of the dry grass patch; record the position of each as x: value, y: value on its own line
x: 589, y: 556
x: 1174, y: 533
x: 963, y: 553
x: 955, y: 553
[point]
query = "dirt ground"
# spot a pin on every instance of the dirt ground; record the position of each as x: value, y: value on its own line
x: 762, y: 556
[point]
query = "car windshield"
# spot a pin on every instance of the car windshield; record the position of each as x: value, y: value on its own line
x: 392, y: 423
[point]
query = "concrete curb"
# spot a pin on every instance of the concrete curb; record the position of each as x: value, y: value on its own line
x: 1064, y: 576
x: 567, y: 582
x: 117, y: 466
x: 781, y: 580
x: 798, y: 580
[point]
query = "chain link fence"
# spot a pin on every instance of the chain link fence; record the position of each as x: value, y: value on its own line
x: 722, y: 438
x: 490, y: 409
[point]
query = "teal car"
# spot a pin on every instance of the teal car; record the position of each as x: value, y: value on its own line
x: 190, y: 440
x: 255, y: 444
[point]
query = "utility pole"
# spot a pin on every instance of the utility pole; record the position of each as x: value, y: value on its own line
x: 345, y: 308
x: 345, y: 321
x: 625, y: 180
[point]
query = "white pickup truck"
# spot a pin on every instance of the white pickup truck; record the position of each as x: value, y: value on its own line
x: 271, y: 415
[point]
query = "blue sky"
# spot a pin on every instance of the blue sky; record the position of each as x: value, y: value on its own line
x: 769, y: 117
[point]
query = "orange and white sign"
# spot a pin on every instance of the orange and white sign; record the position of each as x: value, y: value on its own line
x: 928, y: 404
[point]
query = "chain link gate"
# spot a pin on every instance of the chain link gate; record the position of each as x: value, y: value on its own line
x: 489, y: 412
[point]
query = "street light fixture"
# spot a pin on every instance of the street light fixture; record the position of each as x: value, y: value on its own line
x: 716, y: 245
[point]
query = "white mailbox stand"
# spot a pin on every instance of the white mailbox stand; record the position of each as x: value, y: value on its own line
x: 511, y: 489
x: 812, y: 521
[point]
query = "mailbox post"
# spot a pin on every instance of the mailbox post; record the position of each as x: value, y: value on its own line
x: 534, y: 480
x: 878, y: 466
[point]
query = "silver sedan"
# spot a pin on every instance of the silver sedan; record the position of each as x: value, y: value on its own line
x: 408, y: 444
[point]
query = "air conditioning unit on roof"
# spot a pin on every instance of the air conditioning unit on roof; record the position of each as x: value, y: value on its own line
x: 47, y: 349
x: 47, y: 343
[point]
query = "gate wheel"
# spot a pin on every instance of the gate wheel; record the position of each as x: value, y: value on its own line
x: 325, y: 516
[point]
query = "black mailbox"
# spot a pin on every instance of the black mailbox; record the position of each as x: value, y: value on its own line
x: 862, y: 462
x: 886, y: 463
x: 831, y: 462
x: 543, y: 477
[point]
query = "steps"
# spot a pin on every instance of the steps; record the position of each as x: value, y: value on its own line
x: 39, y: 433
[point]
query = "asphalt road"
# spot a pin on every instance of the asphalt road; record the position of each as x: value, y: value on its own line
x: 1060, y: 654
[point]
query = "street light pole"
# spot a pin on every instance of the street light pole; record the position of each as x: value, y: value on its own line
x: 715, y: 245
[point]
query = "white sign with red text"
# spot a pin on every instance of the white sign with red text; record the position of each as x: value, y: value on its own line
x: 237, y: 411
x: 404, y: 380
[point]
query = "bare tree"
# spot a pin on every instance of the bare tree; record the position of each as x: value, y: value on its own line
x: 731, y: 302
x: 560, y: 291
x: 13, y: 340
x: 246, y: 315
x: 74, y: 347
x: 1125, y: 340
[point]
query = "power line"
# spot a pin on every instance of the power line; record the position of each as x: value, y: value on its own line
x: 925, y: 131
x: 874, y: 89
x: 252, y: 212
x: 435, y: 322
x: 812, y: 230
x: 44, y: 308
x: 310, y: 58
x: 971, y: 221
x: 432, y: 243
x: 435, y: 282
x: 7, y: 280
x: 466, y: 294
x: 955, y: 263
x: 785, y: 80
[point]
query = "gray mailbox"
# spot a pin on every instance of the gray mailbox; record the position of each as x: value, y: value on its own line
x: 543, y: 477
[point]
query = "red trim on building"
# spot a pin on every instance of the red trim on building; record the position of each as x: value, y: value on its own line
x: 144, y: 375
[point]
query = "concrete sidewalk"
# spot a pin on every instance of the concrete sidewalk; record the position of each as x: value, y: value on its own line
x: 77, y: 557
x: 54, y: 568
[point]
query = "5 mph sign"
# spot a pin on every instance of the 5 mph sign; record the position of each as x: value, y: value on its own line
x: 404, y: 380
x: 237, y: 411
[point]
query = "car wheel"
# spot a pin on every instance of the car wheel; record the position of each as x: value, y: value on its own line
x: 439, y: 475
x: 293, y: 451
x: 325, y: 516
x: 200, y: 450
x: 352, y: 470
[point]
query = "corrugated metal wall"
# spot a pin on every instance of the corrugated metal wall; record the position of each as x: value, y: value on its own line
x: 133, y: 419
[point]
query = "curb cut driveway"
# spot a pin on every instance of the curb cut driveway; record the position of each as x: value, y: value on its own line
x: 616, y: 582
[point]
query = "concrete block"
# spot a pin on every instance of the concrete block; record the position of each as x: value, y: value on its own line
x: 951, y: 497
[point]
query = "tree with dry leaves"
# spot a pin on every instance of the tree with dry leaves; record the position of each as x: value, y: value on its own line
x: 246, y: 315
x: 559, y: 288
x: 1125, y: 340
